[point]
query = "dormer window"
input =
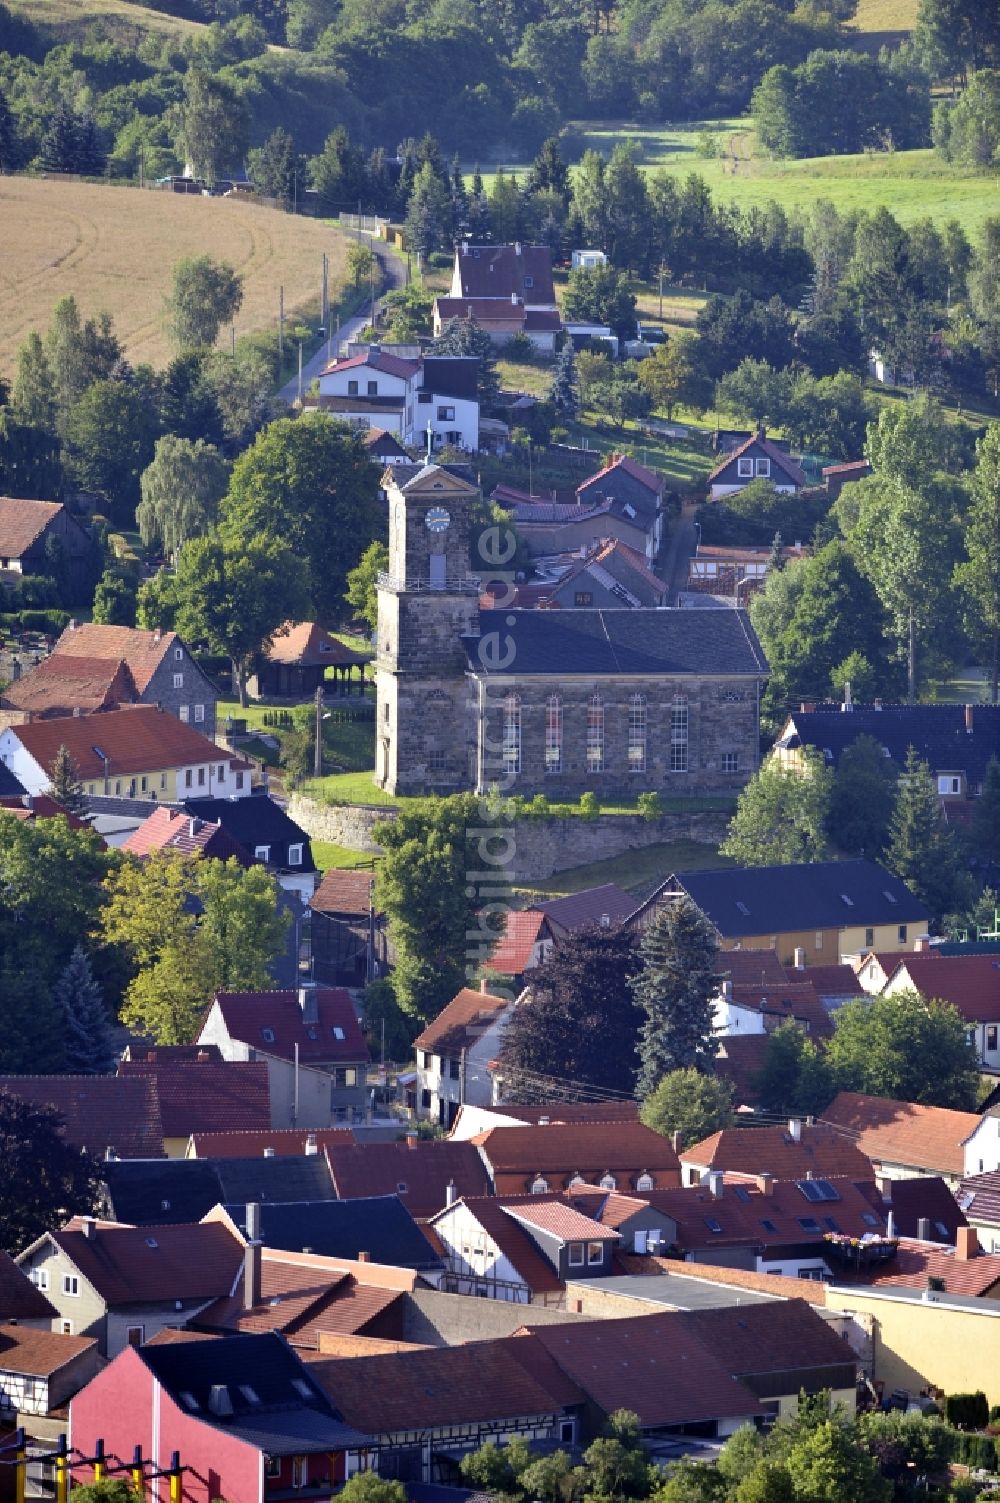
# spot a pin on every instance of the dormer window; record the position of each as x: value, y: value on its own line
x: 295, y: 855
x: 608, y: 1182
x: 644, y: 1182
x: 540, y: 1185
x: 338, y: 1032
x: 262, y: 853
x: 267, y: 1034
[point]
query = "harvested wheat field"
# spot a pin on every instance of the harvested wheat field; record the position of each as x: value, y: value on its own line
x: 114, y: 249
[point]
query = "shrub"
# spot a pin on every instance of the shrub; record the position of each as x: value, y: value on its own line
x: 590, y: 806
x: 50, y: 623
x: 650, y: 805
x: 967, y: 1411
x: 539, y: 807
x: 519, y: 349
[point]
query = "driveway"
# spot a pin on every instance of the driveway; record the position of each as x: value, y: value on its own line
x: 681, y: 548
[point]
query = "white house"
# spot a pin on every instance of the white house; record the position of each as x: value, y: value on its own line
x: 982, y: 1146
x: 404, y: 398
x: 455, y: 1052
x: 588, y: 259
x: 489, y: 1254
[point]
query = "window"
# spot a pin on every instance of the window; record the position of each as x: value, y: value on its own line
x: 295, y: 855
x: 446, y: 414
x: 679, y: 734
x: 346, y: 1077
x: 595, y: 735
x: 385, y: 713
x: 583, y: 598
x: 567, y: 1431
x: 511, y: 745
x: 424, y: 397
x: 644, y: 1182
x: 221, y: 773
x: 267, y: 1034
x: 713, y: 1224
x: 299, y: 1471
x: 901, y: 934
x: 438, y: 571
x: 595, y: 1253
x: 338, y: 1033
x: 118, y: 785
x: 70, y: 1284
x: 869, y: 938
x: 637, y: 733
x: 425, y: 1101
x: 142, y: 784
x: 831, y: 1224
x: 991, y: 1037
x: 272, y: 1466
x: 608, y: 1182
x: 262, y: 853
x: 869, y: 1219
x: 529, y: 282
x: 948, y: 784
x: 453, y: 1068
x: 437, y: 760
x: 134, y: 1335
x: 373, y: 388
x: 818, y: 941
x: 553, y: 734
x: 178, y: 680
x: 540, y: 1185
x: 199, y: 712
x: 66, y: 1327
x: 730, y: 762
x: 763, y: 467
x: 428, y: 1062
x: 40, y: 1278
x: 352, y: 388
x: 768, y: 1226
x: 201, y: 777
x: 239, y: 780
x: 178, y: 654
x: 576, y: 1255
x: 745, y: 469
x: 183, y: 713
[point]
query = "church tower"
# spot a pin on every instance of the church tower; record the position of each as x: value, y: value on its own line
x: 426, y: 603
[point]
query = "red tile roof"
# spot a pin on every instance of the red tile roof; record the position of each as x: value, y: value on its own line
x: 633, y: 558
x: 206, y: 1095
x: 979, y: 1197
x: 901, y: 1132
x: 389, y: 365
x: 778, y: 1004
x: 418, y: 1172
x: 625, y: 464
x: 748, y: 1216
x: 140, y: 1265
x: 143, y: 651
x: 39, y: 1354
x: 39, y: 806
x: 513, y: 951
x: 554, y: 1216
x: 795, y: 474
x: 301, y: 1301
x: 834, y: 980
x: 288, y: 1142
x: 483, y: 310
x: 542, y: 318
x: 250, y: 1016
x: 606, y: 1206
x: 971, y: 983
x: 512, y: 1240
x: 751, y: 967
x: 590, y: 906
x: 64, y: 683
x: 309, y: 645
x: 142, y: 738
x: 22, y: 523
x: 169, y: 829
x: 462, y: 1022
x: 916, y: 1262
x: 821, y: 1151
x: 100, y: 1112
x: 842, y: 469
x: 589, y: 1149
x: 19, y: 1299
x: 775, y: 1284
x: 343, y: 892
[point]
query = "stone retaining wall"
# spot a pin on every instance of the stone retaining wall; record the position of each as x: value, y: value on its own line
x: 544, y: 846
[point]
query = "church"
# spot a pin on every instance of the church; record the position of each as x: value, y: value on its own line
x: 617, y: 702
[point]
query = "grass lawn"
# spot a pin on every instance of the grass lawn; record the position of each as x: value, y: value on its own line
x: 520, y: 376
x: 969, y: 687
x: 327, y: 856
x: 357, y: 787
x: 636, y: 871
x: 684, y: 463
x: 348, y: 745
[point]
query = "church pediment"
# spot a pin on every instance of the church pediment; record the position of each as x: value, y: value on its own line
x: 433, y: 481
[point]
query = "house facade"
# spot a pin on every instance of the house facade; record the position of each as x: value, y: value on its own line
x: 160, y: 663
x: 633, y: 491
x: 41, y: 537
x: 757, y: 458
x: 506, y: 290
x: 454, y: 1054
x: 406, y: 399
x: 970, y: 983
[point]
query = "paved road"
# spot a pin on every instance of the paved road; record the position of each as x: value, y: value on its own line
x: 392, y: 277
x: 683, y: 541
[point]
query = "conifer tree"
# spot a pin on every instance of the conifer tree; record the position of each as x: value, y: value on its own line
x: 674, y: 988
x: 89, y: 1050
x: 563, y: 394
x: 61, y: 140
x: 66, y: 787
x: 923, y: 851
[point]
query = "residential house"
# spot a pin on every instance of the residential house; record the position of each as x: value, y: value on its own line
x: 315, y: 1030
x: 634, y: 491
x: 902, y: 1138
x: 757, y: 458
x: 42, y: 537
x: 970, y: 983
x: 11, y: 788
x: 548, y: 527
x: 734, y: 572
x: 245, y: 1417
x: 978, y: 1196
x: 348, y: 940
x: 374, y: 1229
x: 202, y: 1093
x: 552, y: 1156
x: 105, y: 1115
x: 169, y: 829
x: 295, y: 662
x: 792, y: 1151
x: 981, y: 1144
x: 61, y: 685
x: 922, y: 1208
x: 42, y: 1370
x: 268, y: 835
x: 160, y: 664
x: 821, y: 911
x: 426, y: 1408
x: 426, y: 1174
x: 836, y: 476
x: 282, y: 1142
x: 590, y: 259
x: 120, y: 1284
x: 763, y: 1008
x: 609, y: 574
x: 641, y: 1226
x: 384, y: 448
x: 520, y: 1248
x: 455, y: 1053
x: 406, y: 398
x: 531, y: 934
x: 963, y: 1269
x: 154, y: 1192
x: 142, y: 752
x: 507, y: 290
x: 29, y: 807
x: 22, y: 1303
x: 956, y: 741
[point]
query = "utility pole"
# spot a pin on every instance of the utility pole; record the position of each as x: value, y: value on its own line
x: 281, y: 323
x: 232, y: 340
x: 318, y: 749
x: 325, y: 294
x: 142, y: 170
x: 300, y: 372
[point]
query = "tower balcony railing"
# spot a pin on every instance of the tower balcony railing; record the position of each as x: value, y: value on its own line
x: 470, y: 584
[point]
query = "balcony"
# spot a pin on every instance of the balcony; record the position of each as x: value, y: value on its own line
x: 470, y: 585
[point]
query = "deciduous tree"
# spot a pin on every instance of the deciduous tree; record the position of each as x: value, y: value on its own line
x: 979, y: 576
x: 110, y: 434
x: 688, y: 1102
x: 362, y: 582
x: 181, y: 491
x: 861, y: 799
x: 795, y: 1078
x: 674, y: 987
x: 43, y: 1179
x: 210, y: 125
x: 781, y: 815
x: 905, y: 1048
x: 204, y: 295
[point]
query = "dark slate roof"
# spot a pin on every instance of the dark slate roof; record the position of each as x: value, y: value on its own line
x: 937, y: 731
x: 291, y: 1415
x: 451, y: 375
x: 150, y: 1192
x: 404, y: 473
x: 784, y: 899
x: 379, y: 1225
x: 668, y: 642
x: 10, y: 786
x: 253, y: 821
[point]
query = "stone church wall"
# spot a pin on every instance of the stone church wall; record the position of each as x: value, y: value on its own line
x: 544, y: 846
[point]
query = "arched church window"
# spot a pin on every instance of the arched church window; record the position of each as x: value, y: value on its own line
x: 595, y: 735
x: 511, y: 745
x: 679, y: 734
x: 637, y: 733
x: 553, y: 733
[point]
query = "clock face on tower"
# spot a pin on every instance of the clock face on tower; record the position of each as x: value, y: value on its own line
x: 437, y: 519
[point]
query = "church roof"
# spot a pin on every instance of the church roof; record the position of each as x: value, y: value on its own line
x: 644, y: 641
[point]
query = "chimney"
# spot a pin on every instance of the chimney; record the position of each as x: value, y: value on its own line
x: 253, y: 1220
x: 192, y: 827
x: 878, y: 704
x: 307, y: 1004
x: 451, y: 1193
x: 517, y: 247
x: 251, y: 1274
x: 966, y: 1243
x: 513, y: 298
x: 969, y: 711
x: 364, y: 1257
x: 88, y: 1227
x: 848, y: 702
x: 727, y: 989
x: 202, y: 1057
x: 544, y: 1121
x: 157, y: 634
x: 312, y: 1147
x: 411, y: 1140
x: 890, y: 1224
x: 922, y: 944
x: 807, y: 706
x: 715, y: 1183
x: 924, y: 1229
x: 765, y: 1184
x: 151, y: 1056
x: 800, y: 958
x: 605, y: 921
x: 795, y: 1129
x: 15, y: 670
x: 676, y: 1141
x: 482, y: 984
